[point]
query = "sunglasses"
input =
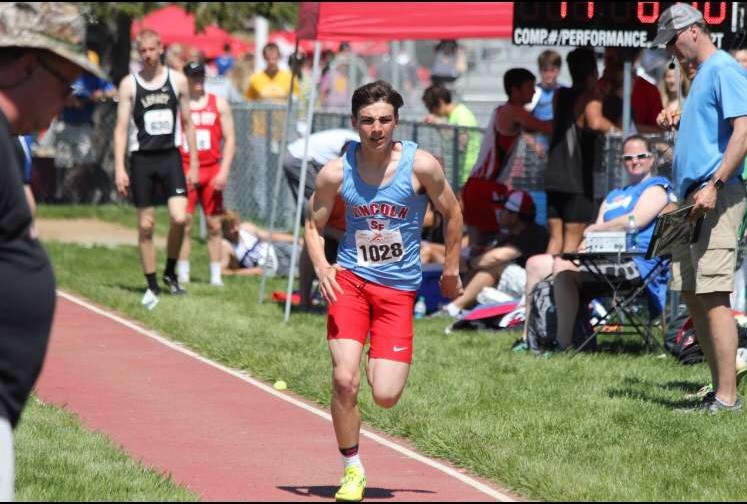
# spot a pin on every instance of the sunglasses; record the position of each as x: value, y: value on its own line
x: 638, y: 157
x: 62, y: 79
x: 674, y: 38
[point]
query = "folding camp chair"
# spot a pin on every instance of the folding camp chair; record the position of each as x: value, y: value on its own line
x: 624, y: 297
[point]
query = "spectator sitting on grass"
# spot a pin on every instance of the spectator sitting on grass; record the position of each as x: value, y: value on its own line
x: 504, y: 264
x: 247, y: 249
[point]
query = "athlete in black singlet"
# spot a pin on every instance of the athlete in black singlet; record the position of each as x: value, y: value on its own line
x: 151, y: 103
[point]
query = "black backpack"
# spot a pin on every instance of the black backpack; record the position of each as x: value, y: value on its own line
x: 542, y: 322
x: 681, y: 342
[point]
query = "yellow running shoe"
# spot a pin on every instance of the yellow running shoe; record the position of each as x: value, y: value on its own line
x: 353, y: 485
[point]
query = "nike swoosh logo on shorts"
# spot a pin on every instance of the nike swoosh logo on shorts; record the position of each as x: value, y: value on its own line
x: 399, y: 348
x: 180, y: 191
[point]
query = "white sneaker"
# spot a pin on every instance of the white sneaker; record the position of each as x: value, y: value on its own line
x: 183, y: 279
x: 150, y: 300
x: 216, y: 283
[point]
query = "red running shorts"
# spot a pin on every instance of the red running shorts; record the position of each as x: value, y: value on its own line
x: 210, y: 199
x: 365, y: 307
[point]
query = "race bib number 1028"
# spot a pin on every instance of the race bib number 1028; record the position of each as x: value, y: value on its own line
x: 379, y: 247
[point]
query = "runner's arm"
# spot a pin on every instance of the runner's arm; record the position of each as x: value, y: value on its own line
x: 229, y: 143
x: 430, y: 176
x: 182, y: 91
x: 124, y: 109
x: 321, y: 203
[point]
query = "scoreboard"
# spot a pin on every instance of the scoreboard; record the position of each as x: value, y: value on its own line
x: 615, y: 24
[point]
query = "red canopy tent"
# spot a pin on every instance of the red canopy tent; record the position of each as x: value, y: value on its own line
x: 351, y: 21
x: 363, y: 48
x: 176, y: 26
x: 383, y: 21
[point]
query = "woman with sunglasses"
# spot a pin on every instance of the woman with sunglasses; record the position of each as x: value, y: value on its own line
x: 643, y: 199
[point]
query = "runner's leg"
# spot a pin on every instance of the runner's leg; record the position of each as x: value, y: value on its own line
x: 183, y: 268
x: 391, y: 342
x: 146, y: 225
x: 177, y: 219
x: 348, y: 325
x: 346, y: 357
x: 215, y: 244
x: 387, y: 379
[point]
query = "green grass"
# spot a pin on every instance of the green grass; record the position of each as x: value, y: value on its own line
x: 593, y: 427
x: 57, y: 460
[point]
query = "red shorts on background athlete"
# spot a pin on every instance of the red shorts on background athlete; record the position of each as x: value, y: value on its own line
x: 209, y: 134
x: 210, y: 199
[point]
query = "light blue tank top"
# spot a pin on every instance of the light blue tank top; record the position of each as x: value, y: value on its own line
x: 382, y: 237
x: 623, y: 201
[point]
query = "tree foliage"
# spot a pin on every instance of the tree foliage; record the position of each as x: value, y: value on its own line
x: 110, y: 23
x: 231, y: 16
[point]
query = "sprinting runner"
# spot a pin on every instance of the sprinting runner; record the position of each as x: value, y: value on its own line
x: 213, y: 122
x: 386, y: 185
x: 150, y: 103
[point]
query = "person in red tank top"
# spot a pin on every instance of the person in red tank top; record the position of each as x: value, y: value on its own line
x: 213, y: 122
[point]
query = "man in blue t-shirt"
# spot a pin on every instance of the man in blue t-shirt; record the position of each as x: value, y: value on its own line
x: 711, y: 145
x: 87, y: 90
x: 225, y: 61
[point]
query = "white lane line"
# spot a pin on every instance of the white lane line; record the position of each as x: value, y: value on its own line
x: 499, y: 496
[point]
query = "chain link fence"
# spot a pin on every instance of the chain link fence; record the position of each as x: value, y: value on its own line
x: 456, y: 147
x: 74, y: 163
x: 259, y: 138
x: 83, y: 167
x: 529, y: 163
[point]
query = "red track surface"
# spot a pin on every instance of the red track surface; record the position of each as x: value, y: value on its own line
x: 222, y: 435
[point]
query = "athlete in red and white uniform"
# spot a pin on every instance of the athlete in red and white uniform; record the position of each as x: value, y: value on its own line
x: 211, y: 116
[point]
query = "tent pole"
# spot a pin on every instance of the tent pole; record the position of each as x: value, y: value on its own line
x: 627, y: 89
x: 279, y: 174
x: 302, y: 179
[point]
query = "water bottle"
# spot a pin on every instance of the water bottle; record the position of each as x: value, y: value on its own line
x: 420, y: 308
x: 631, y: 235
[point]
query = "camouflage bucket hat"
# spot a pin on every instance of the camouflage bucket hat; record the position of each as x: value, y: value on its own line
x: 55, y: 26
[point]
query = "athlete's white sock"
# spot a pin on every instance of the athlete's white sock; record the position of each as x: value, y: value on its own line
x: 7, y: 462
x: 350, y: 457
x: 215, y: 278
x: 355, y: 460
x: 182, y: 269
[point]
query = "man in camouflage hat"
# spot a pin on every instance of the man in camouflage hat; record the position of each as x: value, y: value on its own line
x: 41, y: 53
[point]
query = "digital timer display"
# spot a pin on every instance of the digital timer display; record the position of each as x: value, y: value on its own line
x: 611, y: 24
